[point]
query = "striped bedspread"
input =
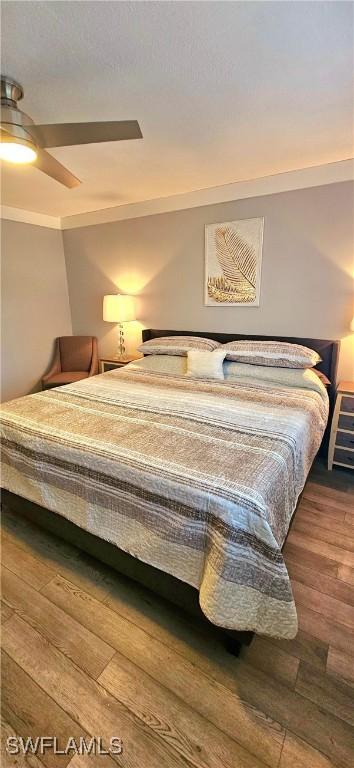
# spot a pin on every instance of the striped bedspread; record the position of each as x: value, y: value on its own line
x: 196, y: 477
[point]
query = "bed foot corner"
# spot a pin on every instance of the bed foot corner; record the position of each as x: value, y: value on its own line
x: 234, y: 643
x: 232, y: 646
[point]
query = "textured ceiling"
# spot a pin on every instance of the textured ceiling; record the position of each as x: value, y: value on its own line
x: 223, y: 91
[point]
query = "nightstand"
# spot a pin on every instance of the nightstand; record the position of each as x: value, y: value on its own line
x: 109, y: 363
x: 341, y: 443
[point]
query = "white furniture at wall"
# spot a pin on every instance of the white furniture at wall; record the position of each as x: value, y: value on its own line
x: 341, y: 443
x: 109, y: 363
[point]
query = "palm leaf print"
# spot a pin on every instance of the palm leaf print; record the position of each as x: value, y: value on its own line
x: 237, y: 259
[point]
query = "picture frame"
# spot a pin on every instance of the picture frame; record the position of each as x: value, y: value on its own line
x: 233, y: 263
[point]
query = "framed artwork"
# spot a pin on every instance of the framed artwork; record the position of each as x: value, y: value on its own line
x: 233, y: 260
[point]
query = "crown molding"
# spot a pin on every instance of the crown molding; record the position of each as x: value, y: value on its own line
x: 315, y: 176
x: 303, y: 178
x: 30, y: 217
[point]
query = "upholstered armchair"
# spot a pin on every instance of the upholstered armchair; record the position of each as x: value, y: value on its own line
x: 75, y: 358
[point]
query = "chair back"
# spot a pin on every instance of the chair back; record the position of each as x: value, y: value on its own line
x: 76, y: 352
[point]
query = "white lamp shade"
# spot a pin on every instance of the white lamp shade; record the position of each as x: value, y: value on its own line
x: 118, y: 308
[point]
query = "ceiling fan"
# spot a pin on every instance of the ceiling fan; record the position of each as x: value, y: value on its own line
x: 21, y: 141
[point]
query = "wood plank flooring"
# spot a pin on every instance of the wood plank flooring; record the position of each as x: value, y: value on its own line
x: 86, y: 652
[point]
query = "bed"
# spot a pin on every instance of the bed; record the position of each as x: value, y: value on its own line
x: 188, y: 486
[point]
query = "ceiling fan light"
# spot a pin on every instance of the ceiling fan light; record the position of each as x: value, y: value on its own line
x: 17, y: 151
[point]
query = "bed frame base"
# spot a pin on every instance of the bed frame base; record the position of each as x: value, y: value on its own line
x: 163, y: 584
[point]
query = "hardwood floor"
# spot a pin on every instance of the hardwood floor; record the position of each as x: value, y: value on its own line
x: 86, y: 652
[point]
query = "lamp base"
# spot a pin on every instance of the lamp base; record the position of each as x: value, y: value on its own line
x: 122, y: 352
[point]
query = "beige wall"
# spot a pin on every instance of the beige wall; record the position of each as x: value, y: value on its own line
x: 307, y: 286
x: 35, y: 304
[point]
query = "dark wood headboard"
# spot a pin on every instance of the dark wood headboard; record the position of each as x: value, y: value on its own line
x: 326, y: 348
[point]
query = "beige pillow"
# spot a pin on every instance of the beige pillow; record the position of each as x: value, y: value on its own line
x: 205, y: 365
x: 174, y: 365
x: 280, y: 354
x: 304, y: 378
x: 176, y: 345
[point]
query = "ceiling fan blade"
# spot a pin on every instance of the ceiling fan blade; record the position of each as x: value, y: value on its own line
x: 70, y: 134
x: 49, y: 165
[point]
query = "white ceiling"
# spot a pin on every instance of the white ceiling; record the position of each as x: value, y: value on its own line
x: 223, y: 91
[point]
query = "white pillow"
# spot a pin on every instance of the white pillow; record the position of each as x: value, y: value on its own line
x: 205, y: 365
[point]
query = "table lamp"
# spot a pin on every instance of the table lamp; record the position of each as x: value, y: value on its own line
x: 119, y: 308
